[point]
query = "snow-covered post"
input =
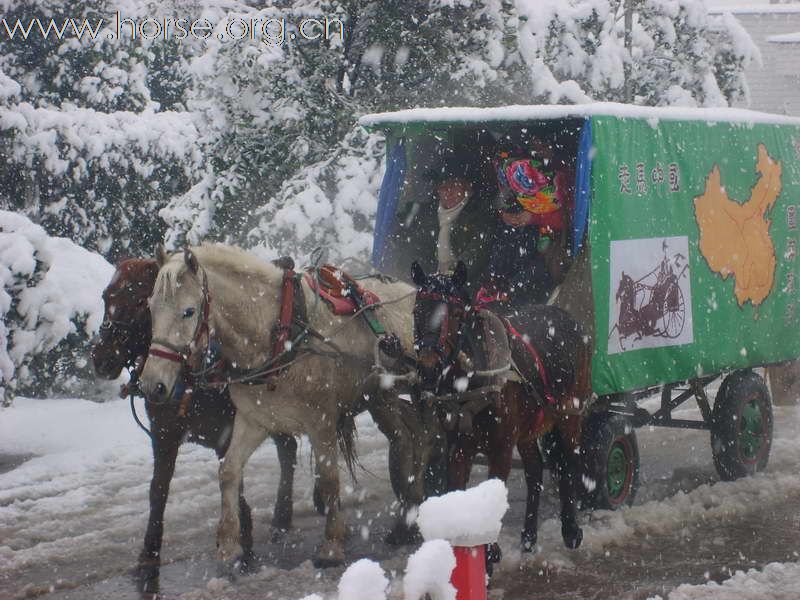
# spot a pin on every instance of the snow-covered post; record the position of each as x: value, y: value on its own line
x: 469, y: 520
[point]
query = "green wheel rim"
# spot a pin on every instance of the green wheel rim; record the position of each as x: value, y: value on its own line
x: 618, y: 473
x: 751, y: 430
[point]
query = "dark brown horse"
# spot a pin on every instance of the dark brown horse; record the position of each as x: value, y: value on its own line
x: 207, y: 419
x: 454, y: 344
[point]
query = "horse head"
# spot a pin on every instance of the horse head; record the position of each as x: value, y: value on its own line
x: 179, y: 309
x: 440, y: 309
x: 125, y: 332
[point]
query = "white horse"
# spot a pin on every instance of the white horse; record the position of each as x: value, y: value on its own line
x: 223, y: 294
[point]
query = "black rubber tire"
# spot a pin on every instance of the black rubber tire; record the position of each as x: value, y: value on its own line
x: 741, y: 426
x: 609, y: 439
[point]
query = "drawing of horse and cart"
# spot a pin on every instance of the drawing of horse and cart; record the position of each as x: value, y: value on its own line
x: 651, y: 292
x: 653, y: 304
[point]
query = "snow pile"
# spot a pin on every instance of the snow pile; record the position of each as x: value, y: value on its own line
x: 363, y: 580
x: 777, y: 580
x: 465, y: 518
x: 51, y: 297
x: 428, y: 572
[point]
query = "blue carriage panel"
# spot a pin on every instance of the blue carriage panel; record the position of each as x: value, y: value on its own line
x: 583, y: 191
x: 389, y: 196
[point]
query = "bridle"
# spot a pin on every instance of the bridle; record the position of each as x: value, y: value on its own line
x: 445, y: 349
x: 123, y: 332
x: 195, y: 368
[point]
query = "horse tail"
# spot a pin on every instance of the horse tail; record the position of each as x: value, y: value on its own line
x: 346, y: 436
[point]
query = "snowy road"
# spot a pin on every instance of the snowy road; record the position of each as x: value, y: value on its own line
x: 72, y: 518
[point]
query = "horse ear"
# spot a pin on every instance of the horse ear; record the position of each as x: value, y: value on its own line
x: 460, y: 275
x: 190, y: 259
x: 417, y: 274
x: 161, y: 255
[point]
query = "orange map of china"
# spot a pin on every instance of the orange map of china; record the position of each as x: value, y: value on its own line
x: 734, y: 236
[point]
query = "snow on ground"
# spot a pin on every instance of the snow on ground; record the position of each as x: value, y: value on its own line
x: 74, y: 515
x: 776, y: 581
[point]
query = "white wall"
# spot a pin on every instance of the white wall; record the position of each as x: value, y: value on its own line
x: 775, y: 87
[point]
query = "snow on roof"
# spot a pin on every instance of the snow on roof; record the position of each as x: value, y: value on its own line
x: 753, y: 9
x: 559, y: 111
x: 785, y: 38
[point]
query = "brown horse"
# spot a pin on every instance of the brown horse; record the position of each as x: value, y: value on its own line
x: 455, y: 344
x: 125, y: 337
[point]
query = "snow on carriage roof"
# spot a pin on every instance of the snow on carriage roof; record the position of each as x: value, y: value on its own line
x: 464, y: 114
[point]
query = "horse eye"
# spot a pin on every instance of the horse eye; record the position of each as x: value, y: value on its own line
x: 189, y: 312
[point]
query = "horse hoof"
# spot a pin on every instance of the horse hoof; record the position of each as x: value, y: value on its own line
x: 529, y: 542
x: 248, y: 563
x: 277, y: 534
x: 329, y: 555
x: 231, y: 569
x: 493, y: 556
x: 403, y: 535
x: 146, y: 574
x: 573, y: 536
x: 319, y: 503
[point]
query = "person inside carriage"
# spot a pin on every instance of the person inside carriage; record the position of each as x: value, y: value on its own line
x: 526, y: 256
x: 499, y: 202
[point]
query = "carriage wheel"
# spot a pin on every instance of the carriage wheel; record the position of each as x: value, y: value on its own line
x: 610, y: 462
x: 673, y: 312
x: 741, y: 426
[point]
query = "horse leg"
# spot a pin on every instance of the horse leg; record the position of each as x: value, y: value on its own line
x: 406, y: 464
x: 569, y: 429
x: 500, y: 453
x: 323, y: 442
x: 165, y: 450
x: 462, y: 452
x: 245, y: 518
x: 245, y: 439
x: 533, y: 465
x: 287, y: 457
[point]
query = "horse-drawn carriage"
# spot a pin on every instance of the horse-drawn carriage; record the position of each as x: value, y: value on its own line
x: 673, y: 263
x: 678, y: 257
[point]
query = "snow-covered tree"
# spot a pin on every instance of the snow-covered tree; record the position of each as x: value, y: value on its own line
x: 51, y: 306
x: 93, y: 135
x: 576, y: 51
x: 281, y: 117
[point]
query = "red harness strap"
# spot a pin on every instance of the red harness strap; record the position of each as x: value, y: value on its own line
x: 172, y: 356
x: 283, y: 328
x: 537, y: 359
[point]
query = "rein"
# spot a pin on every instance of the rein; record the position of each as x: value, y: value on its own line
x: 285, y: 348
x: 448, y: 360
x: 257, y: 375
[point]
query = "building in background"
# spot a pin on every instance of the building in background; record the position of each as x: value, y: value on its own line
x: 775, y: 28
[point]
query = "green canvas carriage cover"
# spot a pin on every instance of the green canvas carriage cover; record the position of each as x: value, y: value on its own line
x: 719, y: 200
x: 693, y: 235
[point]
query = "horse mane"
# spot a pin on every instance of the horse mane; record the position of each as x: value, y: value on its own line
x: 214, y: 257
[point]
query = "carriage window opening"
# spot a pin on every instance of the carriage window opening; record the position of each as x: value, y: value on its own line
x: 471, y: 156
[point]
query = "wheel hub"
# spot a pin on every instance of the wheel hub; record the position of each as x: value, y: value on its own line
x: 751, y: 430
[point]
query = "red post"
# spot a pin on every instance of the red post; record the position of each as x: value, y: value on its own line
x: 469, y: 576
